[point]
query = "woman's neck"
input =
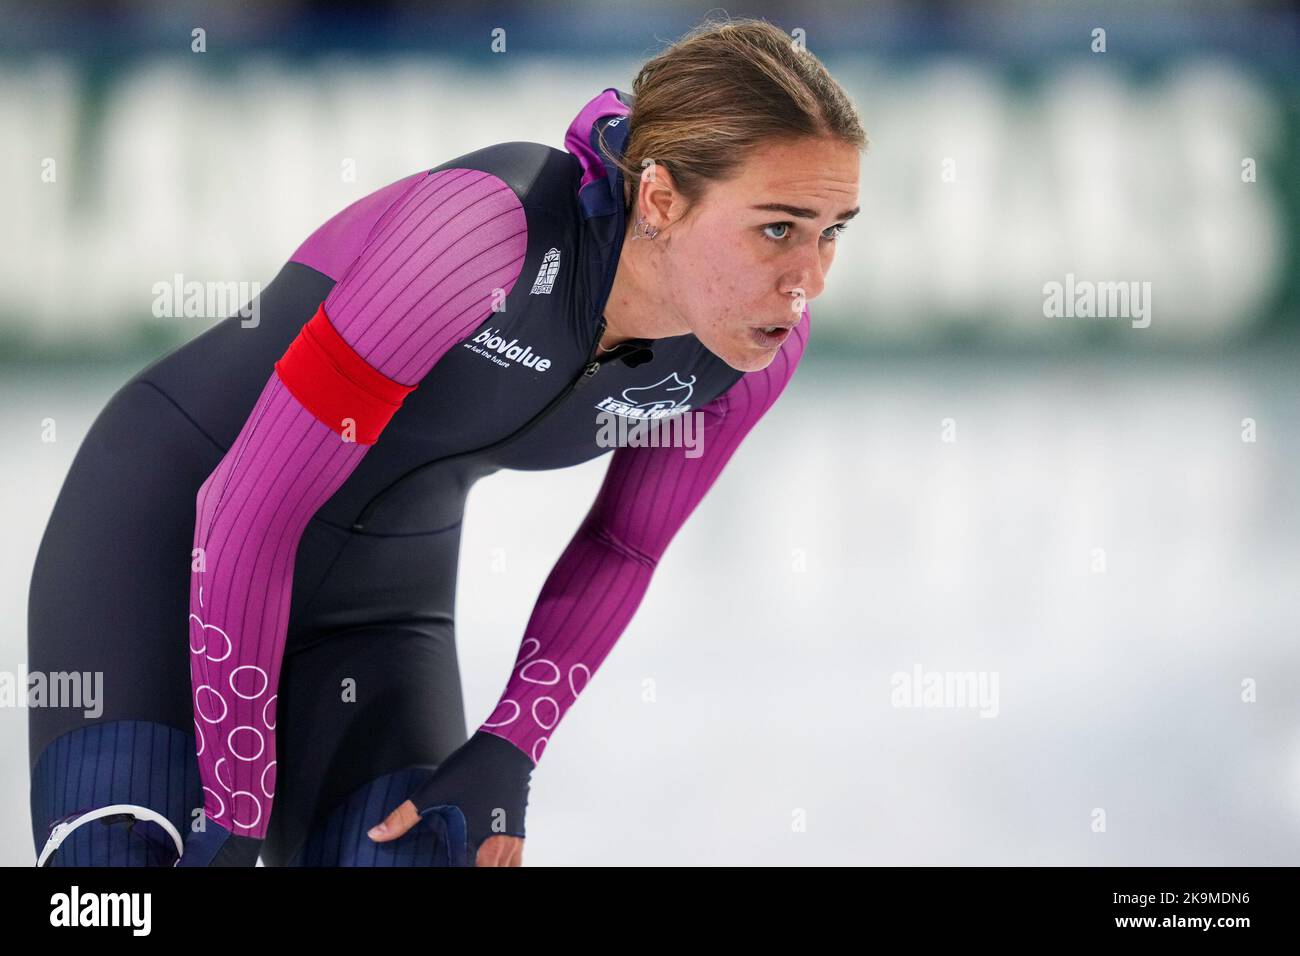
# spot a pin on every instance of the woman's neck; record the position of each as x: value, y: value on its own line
x: 635, y: 308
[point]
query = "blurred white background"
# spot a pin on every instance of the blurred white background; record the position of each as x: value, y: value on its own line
x: 747, y: 715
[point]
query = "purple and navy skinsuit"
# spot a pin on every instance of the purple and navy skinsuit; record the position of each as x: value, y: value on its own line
x: 476, y: 289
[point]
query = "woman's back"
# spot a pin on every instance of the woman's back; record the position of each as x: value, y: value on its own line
x: 500, y: 220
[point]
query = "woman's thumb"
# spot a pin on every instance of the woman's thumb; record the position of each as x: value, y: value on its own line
x: 395, y: 824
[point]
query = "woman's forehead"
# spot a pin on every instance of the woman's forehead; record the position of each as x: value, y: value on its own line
x: 817, y: 177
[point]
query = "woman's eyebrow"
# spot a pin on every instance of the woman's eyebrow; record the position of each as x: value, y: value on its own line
x: 801, y: 212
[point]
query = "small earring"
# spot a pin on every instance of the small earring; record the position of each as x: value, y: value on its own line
x: 648, y: 233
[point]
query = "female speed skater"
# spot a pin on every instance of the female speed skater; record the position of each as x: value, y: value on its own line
x: 294, y: 488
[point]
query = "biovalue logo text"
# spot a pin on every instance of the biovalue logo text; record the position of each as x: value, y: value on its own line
x: 491, y: 344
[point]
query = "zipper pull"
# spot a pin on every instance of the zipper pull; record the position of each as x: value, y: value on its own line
x: 588, y: 374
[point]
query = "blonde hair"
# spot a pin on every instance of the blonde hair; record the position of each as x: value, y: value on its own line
x: 725, y: 88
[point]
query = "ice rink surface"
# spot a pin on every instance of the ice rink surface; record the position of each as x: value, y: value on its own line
x: 1092, y: 538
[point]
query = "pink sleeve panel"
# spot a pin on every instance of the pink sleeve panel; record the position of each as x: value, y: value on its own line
x: 336, y: 244
x: 598, y: 582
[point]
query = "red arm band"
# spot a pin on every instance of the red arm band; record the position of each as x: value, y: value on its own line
x: 335, y: 384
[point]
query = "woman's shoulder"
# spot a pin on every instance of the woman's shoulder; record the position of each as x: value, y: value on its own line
x: 532, y: 170
x: 542, y: 178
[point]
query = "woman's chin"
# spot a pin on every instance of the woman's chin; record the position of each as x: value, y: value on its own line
x: 749, y: 360
x: 742, y: 354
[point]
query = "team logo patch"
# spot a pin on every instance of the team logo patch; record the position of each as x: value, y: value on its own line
x: 668, y: 396
x: 546, y: 274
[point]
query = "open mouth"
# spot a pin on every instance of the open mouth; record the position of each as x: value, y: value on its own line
x: 770, y: 336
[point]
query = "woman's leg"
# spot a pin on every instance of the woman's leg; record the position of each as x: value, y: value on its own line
x: 108, y: 602
x: 106, y: 618
x: 145, y: 773
x: 107, y: 632
x: 363, y: 718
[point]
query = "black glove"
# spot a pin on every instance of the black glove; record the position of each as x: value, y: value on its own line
x: 217, y: 846
x: 484, y: 782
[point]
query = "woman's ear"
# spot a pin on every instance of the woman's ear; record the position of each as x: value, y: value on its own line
x: 657, y: 193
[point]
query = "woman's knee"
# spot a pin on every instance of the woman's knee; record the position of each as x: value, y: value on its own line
x: 339, y: 837
x: 114, y: 794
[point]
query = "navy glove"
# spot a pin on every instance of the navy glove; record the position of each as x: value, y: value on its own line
x: 480, y: 791
x: 217, y: 846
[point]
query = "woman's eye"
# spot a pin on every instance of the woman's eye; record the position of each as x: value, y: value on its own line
x: 834, y: 230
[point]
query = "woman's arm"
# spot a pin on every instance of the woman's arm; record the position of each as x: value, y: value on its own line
x: 424, y: 280
x: 585, y: 604
x: 598, y: 583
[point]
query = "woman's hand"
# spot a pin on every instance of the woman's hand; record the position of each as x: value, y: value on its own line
x: 481, y: 793
x: 214, y: 845
x: 497, y: 850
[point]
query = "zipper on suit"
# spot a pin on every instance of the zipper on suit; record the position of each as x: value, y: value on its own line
x: 587, y: 375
